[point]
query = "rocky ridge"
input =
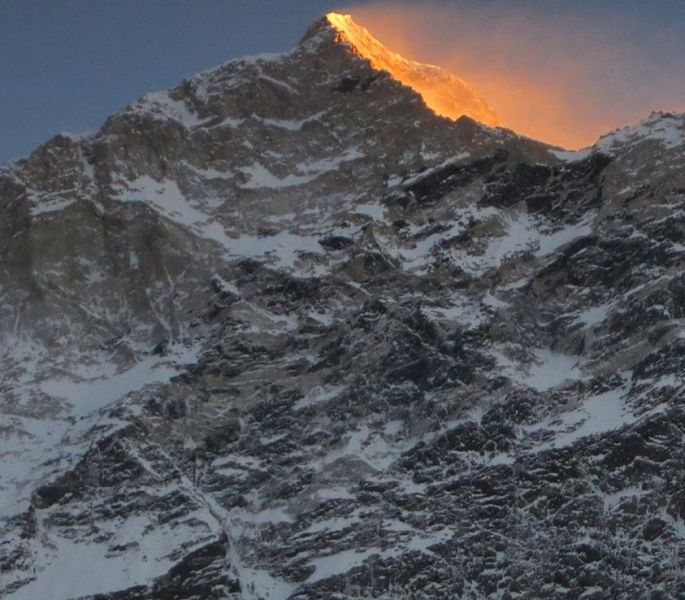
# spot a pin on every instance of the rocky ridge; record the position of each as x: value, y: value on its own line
x: 281, y: 332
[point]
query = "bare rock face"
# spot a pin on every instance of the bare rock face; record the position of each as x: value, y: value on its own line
x: 283, y: 333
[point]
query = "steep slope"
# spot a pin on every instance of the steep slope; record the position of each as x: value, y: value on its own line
x: 282, y: 332
x: 442, y: 91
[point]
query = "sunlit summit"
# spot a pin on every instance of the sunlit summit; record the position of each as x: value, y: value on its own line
x: 442, y: 91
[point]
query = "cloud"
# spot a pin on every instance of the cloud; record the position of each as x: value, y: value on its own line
x: 563, y: 72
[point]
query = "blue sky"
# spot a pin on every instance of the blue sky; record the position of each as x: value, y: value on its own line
x: 65, y: 65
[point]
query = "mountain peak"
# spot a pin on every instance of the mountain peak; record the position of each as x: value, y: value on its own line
x: 445, y: 93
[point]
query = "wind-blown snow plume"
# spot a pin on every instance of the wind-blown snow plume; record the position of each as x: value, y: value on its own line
x: 555, y: 75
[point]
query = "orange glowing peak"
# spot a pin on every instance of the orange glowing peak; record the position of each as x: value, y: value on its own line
x: 443, y: 92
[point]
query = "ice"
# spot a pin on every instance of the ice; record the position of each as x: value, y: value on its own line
x: 549, y: 369
x: 283, y: 248
x: 522, y: 233
x: 209, y: 173
x: 600, y: 413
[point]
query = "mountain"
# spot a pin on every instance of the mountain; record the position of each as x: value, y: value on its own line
x: 283, y: 332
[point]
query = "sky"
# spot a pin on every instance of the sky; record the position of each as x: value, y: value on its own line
x: 66, y: 65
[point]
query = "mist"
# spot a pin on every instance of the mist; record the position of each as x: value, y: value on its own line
x: 561, y: 72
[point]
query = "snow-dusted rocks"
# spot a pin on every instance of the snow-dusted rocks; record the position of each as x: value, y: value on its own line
x: 283, y: 333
